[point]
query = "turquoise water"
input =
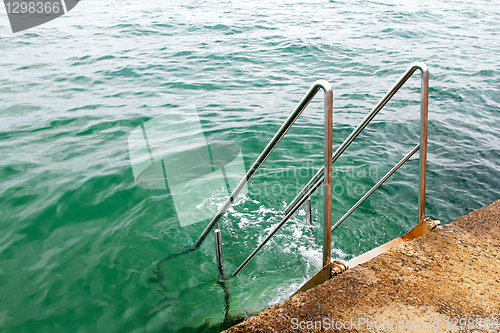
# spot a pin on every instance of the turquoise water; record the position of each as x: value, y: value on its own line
x: 82, y: 247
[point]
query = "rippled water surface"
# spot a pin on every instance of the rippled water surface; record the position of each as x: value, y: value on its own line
x: 82, y: 247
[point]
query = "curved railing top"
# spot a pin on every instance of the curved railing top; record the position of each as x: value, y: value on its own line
x: 369, y: 117
x: 318, y: 179
x: 329, y: 158
x: 328, y: 102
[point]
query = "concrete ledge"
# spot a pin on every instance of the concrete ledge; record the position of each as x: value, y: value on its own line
x: 420, y: 285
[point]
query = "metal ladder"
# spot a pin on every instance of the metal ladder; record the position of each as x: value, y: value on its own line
x: 324, y: 175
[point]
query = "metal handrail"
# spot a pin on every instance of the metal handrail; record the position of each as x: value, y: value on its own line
x: 376, y: 186
x: 318, y: 177
x: 306, y: 198
x: 328, y: 116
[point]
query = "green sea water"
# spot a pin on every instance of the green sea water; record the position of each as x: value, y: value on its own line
x: 82, y: 248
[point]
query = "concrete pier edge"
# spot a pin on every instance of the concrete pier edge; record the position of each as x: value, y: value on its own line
x: 444, y: 281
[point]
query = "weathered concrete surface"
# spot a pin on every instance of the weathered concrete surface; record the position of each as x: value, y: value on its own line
x: 453, y: 272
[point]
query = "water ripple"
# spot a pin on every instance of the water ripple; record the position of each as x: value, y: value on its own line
x: 83, y: 248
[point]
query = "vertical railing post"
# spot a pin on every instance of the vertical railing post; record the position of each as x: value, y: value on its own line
x: 218, y: 253
x: 424, y: 106
x: 327, y: 225
x: 308, y: 212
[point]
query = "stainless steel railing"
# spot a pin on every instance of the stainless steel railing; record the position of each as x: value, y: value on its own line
x: 376, y: 186
x: 317, y: 180
x: 423, y: 136
x: 324, y: 175
x: 328, y: 116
